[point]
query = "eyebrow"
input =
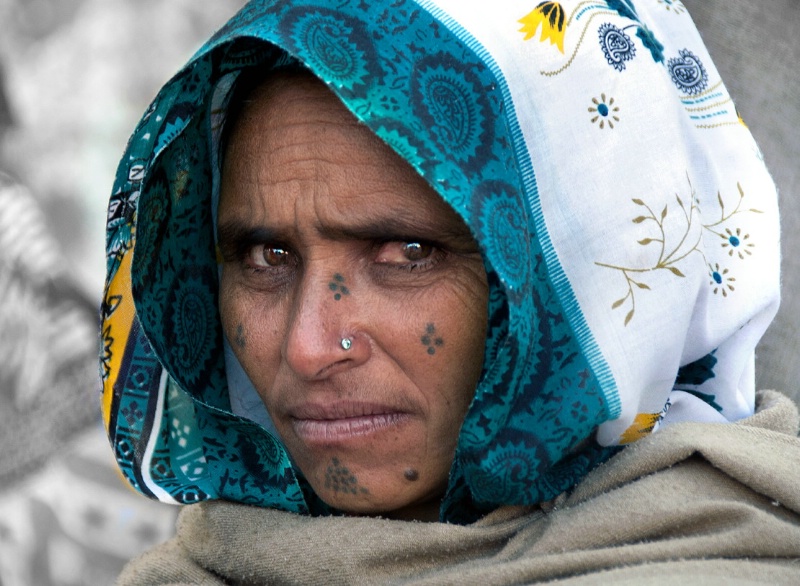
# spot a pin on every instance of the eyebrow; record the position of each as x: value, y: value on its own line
x: 399, y: 228
x: 236, y: 237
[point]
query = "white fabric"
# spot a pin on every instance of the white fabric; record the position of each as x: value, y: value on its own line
x: 705, y: 188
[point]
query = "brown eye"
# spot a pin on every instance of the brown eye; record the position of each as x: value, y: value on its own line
x: 415, y: 251
x: 409, y: 255
x: 269, y: 256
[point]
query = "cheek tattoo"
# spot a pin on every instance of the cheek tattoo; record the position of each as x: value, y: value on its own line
x: 338, y: 287
x: 240, y: 339
x: 339, y: 479
x: 431, y: 340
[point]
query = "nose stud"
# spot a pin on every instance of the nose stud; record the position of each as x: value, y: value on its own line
x: 346, y: 343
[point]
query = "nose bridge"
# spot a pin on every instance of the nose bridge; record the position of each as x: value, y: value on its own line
x: 318, y: 321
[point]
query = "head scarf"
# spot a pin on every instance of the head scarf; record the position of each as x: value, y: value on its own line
x: 628, y: 225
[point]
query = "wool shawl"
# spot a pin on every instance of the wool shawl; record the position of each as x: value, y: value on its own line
x: 697, y: 503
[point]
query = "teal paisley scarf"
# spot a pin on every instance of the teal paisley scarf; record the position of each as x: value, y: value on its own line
x: 628, y: 225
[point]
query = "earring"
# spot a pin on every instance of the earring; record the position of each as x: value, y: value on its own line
x: 346, y: 343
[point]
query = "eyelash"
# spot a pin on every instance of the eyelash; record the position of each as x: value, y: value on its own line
x: 271, y: 278
x: 248, y: 254
x: 436, y: 255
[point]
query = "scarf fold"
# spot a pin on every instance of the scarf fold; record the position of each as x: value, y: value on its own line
x: 628, y: 225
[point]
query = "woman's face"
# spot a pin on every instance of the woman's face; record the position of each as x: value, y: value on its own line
x: 327, y: 234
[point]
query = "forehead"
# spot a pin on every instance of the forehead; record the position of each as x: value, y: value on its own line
x: 294, y: 142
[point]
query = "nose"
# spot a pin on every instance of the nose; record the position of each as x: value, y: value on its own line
x: 323, y: 336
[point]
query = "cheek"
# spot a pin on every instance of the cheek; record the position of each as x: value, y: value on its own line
x: 251, y: 331
x: 443, y: 343
x: 462, y: 316
x: 230, y: 312
x: 465, y: 333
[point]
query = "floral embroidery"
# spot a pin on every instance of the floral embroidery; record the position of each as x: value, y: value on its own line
x: 604, y: 111
x: 616, y: 45
x: 732, y: 239
x: 643, y: 425
x: 688, y: 73
x: 739, y: 117
x: 626, y: 9
x: 673, y: 6
x: 674, y: 248
x: 712, y: 108
x: 720, y: 280
x: 550, y: 16
x: 670, y: 253
x: 650, y: 41
x: 736, y: 243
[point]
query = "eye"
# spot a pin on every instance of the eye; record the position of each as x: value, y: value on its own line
x: 263, y: 256
x: 415, y: 251
x: 405, y: 253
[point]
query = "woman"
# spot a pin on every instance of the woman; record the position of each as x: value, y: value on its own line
x: 421, y: 262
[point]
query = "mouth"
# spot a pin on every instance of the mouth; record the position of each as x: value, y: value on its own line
x: 338, y: 423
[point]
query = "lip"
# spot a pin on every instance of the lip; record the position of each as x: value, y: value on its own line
x: 339, y: 422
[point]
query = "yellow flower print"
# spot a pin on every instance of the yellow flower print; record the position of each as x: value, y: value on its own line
x: 740, y: 119
x: 642, y: 426
x: 550, y: 15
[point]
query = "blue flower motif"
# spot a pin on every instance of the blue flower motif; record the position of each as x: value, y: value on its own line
x: 604, y: 111
x: 720, y: 280
x: 617, y: 46
x: 737, y: 243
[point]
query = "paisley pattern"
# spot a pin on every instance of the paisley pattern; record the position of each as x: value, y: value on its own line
x: 506, y: 473
x: 505, y: 232
x: 192, y: 311
x: 616, y: 45
x: 688, y: 73
x: 447, y: 99
x: 493, y: 138
x: 334, y: 45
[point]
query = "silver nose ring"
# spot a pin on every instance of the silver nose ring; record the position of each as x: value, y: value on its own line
x: 346, y: 343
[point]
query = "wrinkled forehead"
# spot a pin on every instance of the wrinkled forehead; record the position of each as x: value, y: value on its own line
x: 286, y: 127
x: 247, y: 95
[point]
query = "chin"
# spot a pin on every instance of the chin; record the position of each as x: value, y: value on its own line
x: 379, y: 498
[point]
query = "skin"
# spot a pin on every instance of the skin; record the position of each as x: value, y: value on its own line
x: 326, y: 233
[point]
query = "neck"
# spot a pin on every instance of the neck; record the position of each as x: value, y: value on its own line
x: 427, y: 512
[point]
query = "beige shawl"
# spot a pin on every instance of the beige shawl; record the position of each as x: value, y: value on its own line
x: 709, y: 503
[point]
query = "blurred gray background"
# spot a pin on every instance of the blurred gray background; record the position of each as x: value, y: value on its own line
x: 75, y: 76
x: 78, y: 75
